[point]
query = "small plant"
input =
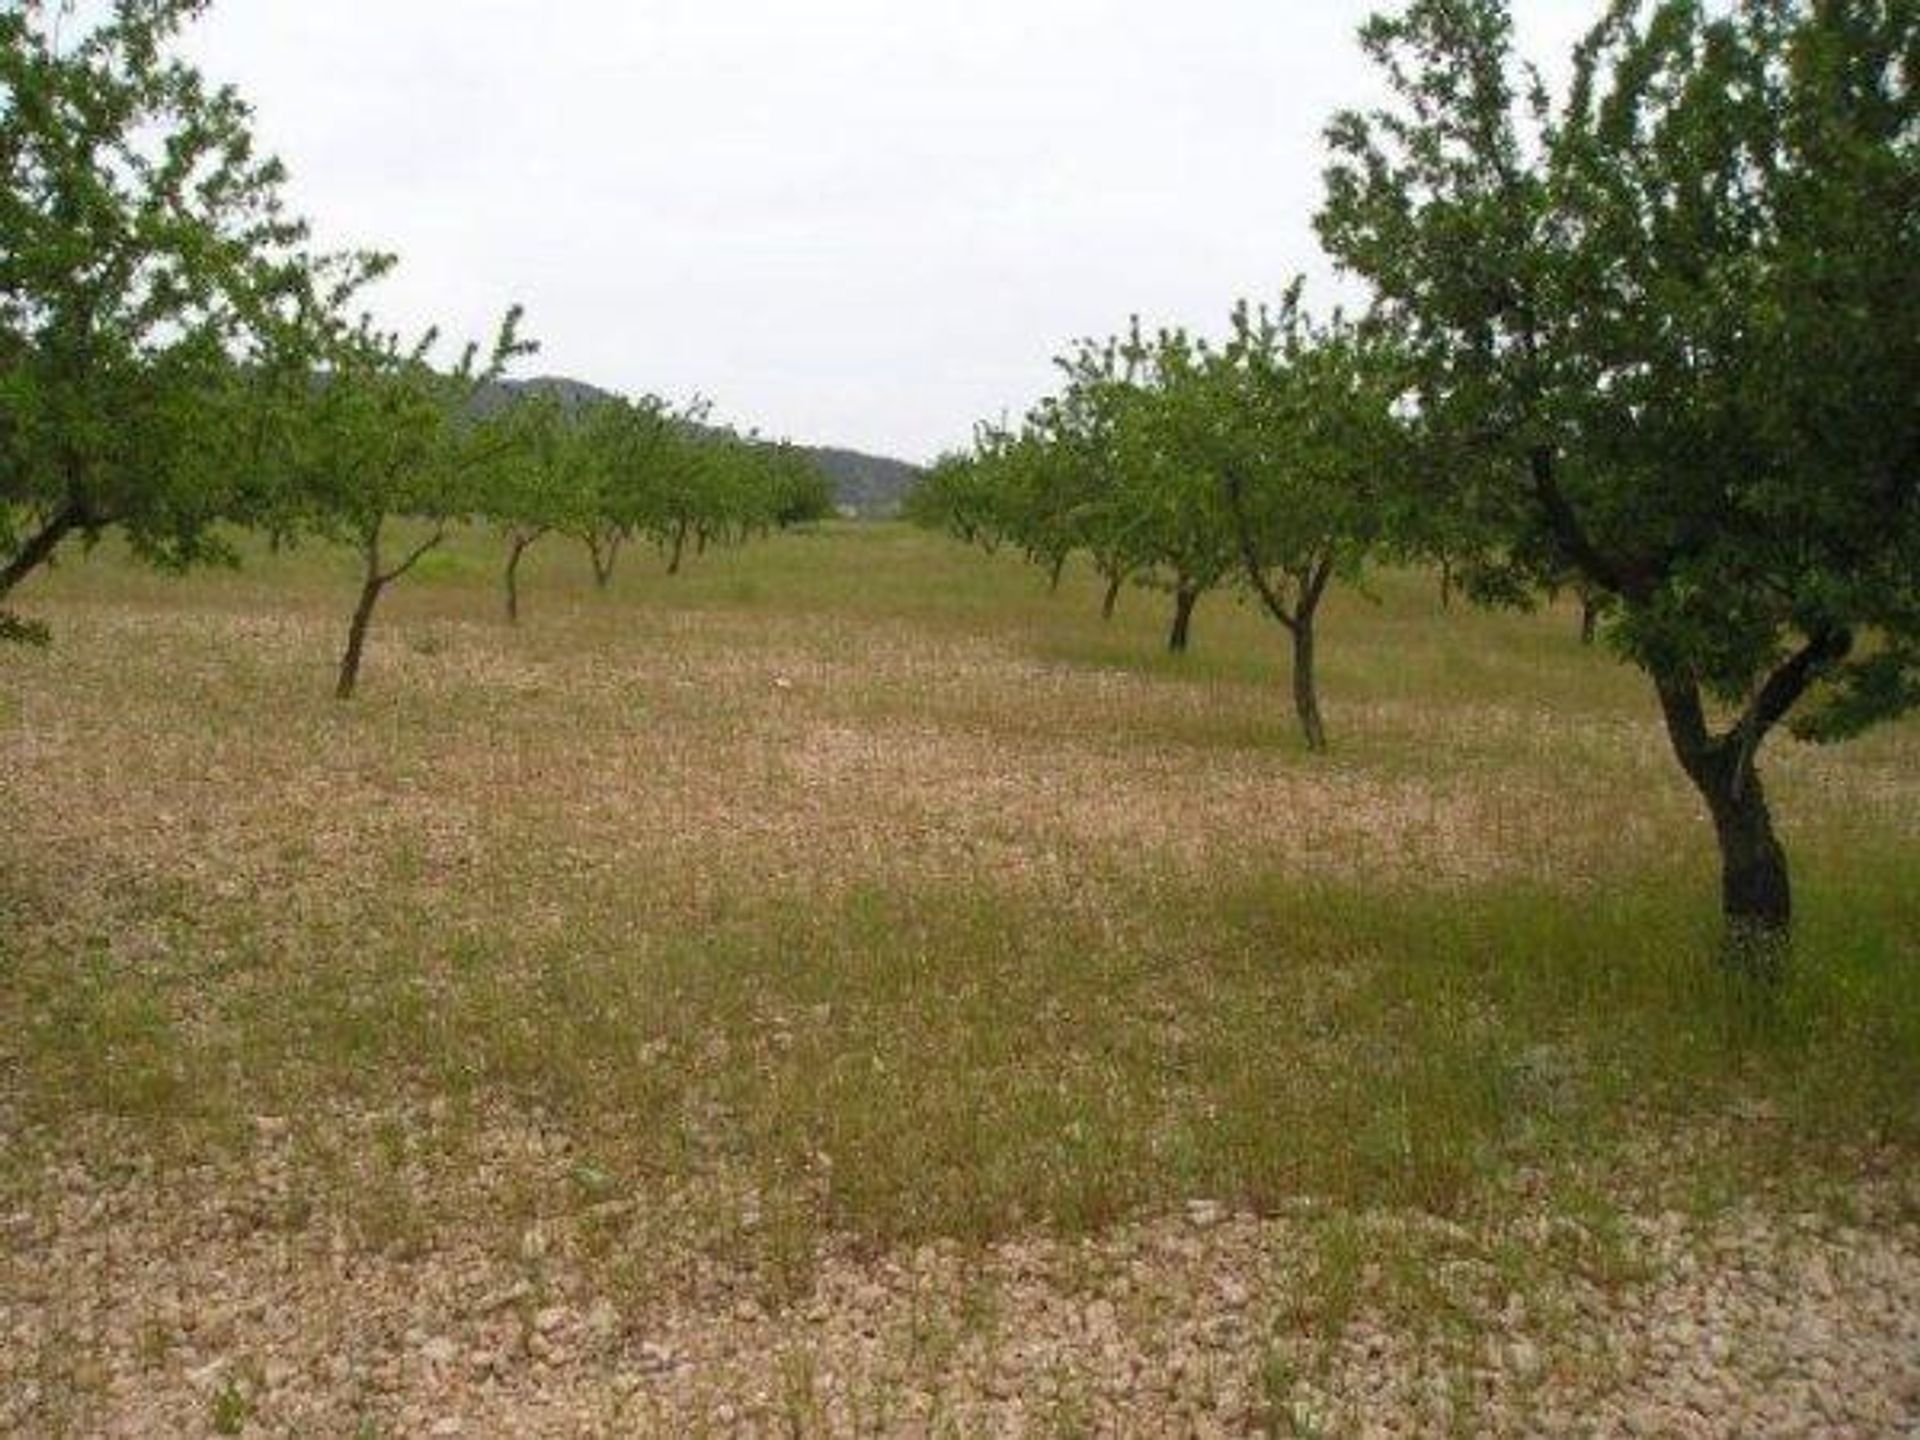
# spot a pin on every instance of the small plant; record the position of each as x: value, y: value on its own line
x: 801, y: 1412
x: 16, y: 631
x: 154, y: 1342
x: 232, y: 1406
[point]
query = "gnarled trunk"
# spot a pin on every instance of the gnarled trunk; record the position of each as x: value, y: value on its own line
x: 516, y: 548
x: 1756, y: 893
x: 39, y: 547
x: 1182, y: 633
x: 679, y: 548
x: 604, y: 551
x: 357, y: 632
x: 1112, y: 597
x: 1306, y: 693
x: 1589, y: 619
x: 375, y: 581
x: 1058, y: 569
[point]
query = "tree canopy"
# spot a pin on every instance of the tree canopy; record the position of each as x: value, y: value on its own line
x: 1667, y: 333
x: 1273, y: 459
x: 154, y: 291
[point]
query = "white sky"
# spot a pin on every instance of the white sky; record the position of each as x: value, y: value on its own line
x: 859, y: 222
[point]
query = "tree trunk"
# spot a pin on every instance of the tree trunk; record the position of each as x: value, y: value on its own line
x: 1112, y: 598
x: 1053, y: 579
x: 376, y: 580
x: 1446, y: 585
x: 1756, y: 894
x: 1183, y: 603
x: 1589, y: 619
x: 357, y: 633
x: 679, y: 548
x: 1306, y: 693
x: 39, y: 548
x: 604, y: 553
x: 515, y: 549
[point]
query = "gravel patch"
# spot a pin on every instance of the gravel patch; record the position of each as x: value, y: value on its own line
x: 178, y: 1304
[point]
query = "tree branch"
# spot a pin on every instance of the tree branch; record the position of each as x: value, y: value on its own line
x: 1783, y: 689
x: 1572, y: 536
x: 1317, y: 582
x: 41, y: 545
x: 414, y: 555
x: 1256, y: 572
x: 1686, y: 716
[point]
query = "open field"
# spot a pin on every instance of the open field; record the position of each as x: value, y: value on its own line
x: 847, y: 989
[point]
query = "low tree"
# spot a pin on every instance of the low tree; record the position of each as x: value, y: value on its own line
x: 1102, y: 466
x: 537, y: 480
x: 1079, y: 428
x: 385, y: 436
x: 1297, y: 420
x: 1675, y: 324
x: 959, y: 494
x: 156, y: 297
x: 682, y: 492
x: 1170, y: 518
x: 793, y: 489
x: 626, y: 448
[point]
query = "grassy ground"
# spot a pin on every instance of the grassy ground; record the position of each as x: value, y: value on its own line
x: 850, y: 890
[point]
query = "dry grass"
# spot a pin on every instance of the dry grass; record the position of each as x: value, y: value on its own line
x: 851, y: 892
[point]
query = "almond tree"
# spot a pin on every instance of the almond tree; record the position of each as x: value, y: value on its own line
x: 957, y: 494
x: 1078, y: 428
x: 622, y: 444
x: 156, y: 297
x: 1169, y: 513
x: 681, y: 491
x: 386, y: 437
x: 796, y: 489
x: 1673, y: 322
x: 538, y: 477
x: 1297, y: 421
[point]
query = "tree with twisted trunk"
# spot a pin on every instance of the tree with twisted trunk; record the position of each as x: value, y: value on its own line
x: 157, y: 300
x: 384, y: 439
x: 1669, y: 327
x: 1295, y: 422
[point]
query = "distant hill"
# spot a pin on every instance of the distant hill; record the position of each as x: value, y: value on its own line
x: 573, y: 393
x: 866, y: 485
x: 870, y: 486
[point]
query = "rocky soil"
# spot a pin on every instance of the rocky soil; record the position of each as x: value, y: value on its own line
x: 146, y: 1304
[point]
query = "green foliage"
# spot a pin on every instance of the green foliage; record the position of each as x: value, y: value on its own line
x: 799, y: 490
x: 1166, y: 510
x: 1277, y: 455
x: 1666, y: 341
x: 1289, y: 426
x: 958, y: 495
x: 384, y: 433
x: 1092, y: 468
x: 155, y: 295
x: 1670, y: 332
x: 608, y: 470
x: 230, y: 1408
x: 541, y: 477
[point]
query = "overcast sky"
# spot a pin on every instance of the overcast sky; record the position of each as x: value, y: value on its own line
x: 861, y: 222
